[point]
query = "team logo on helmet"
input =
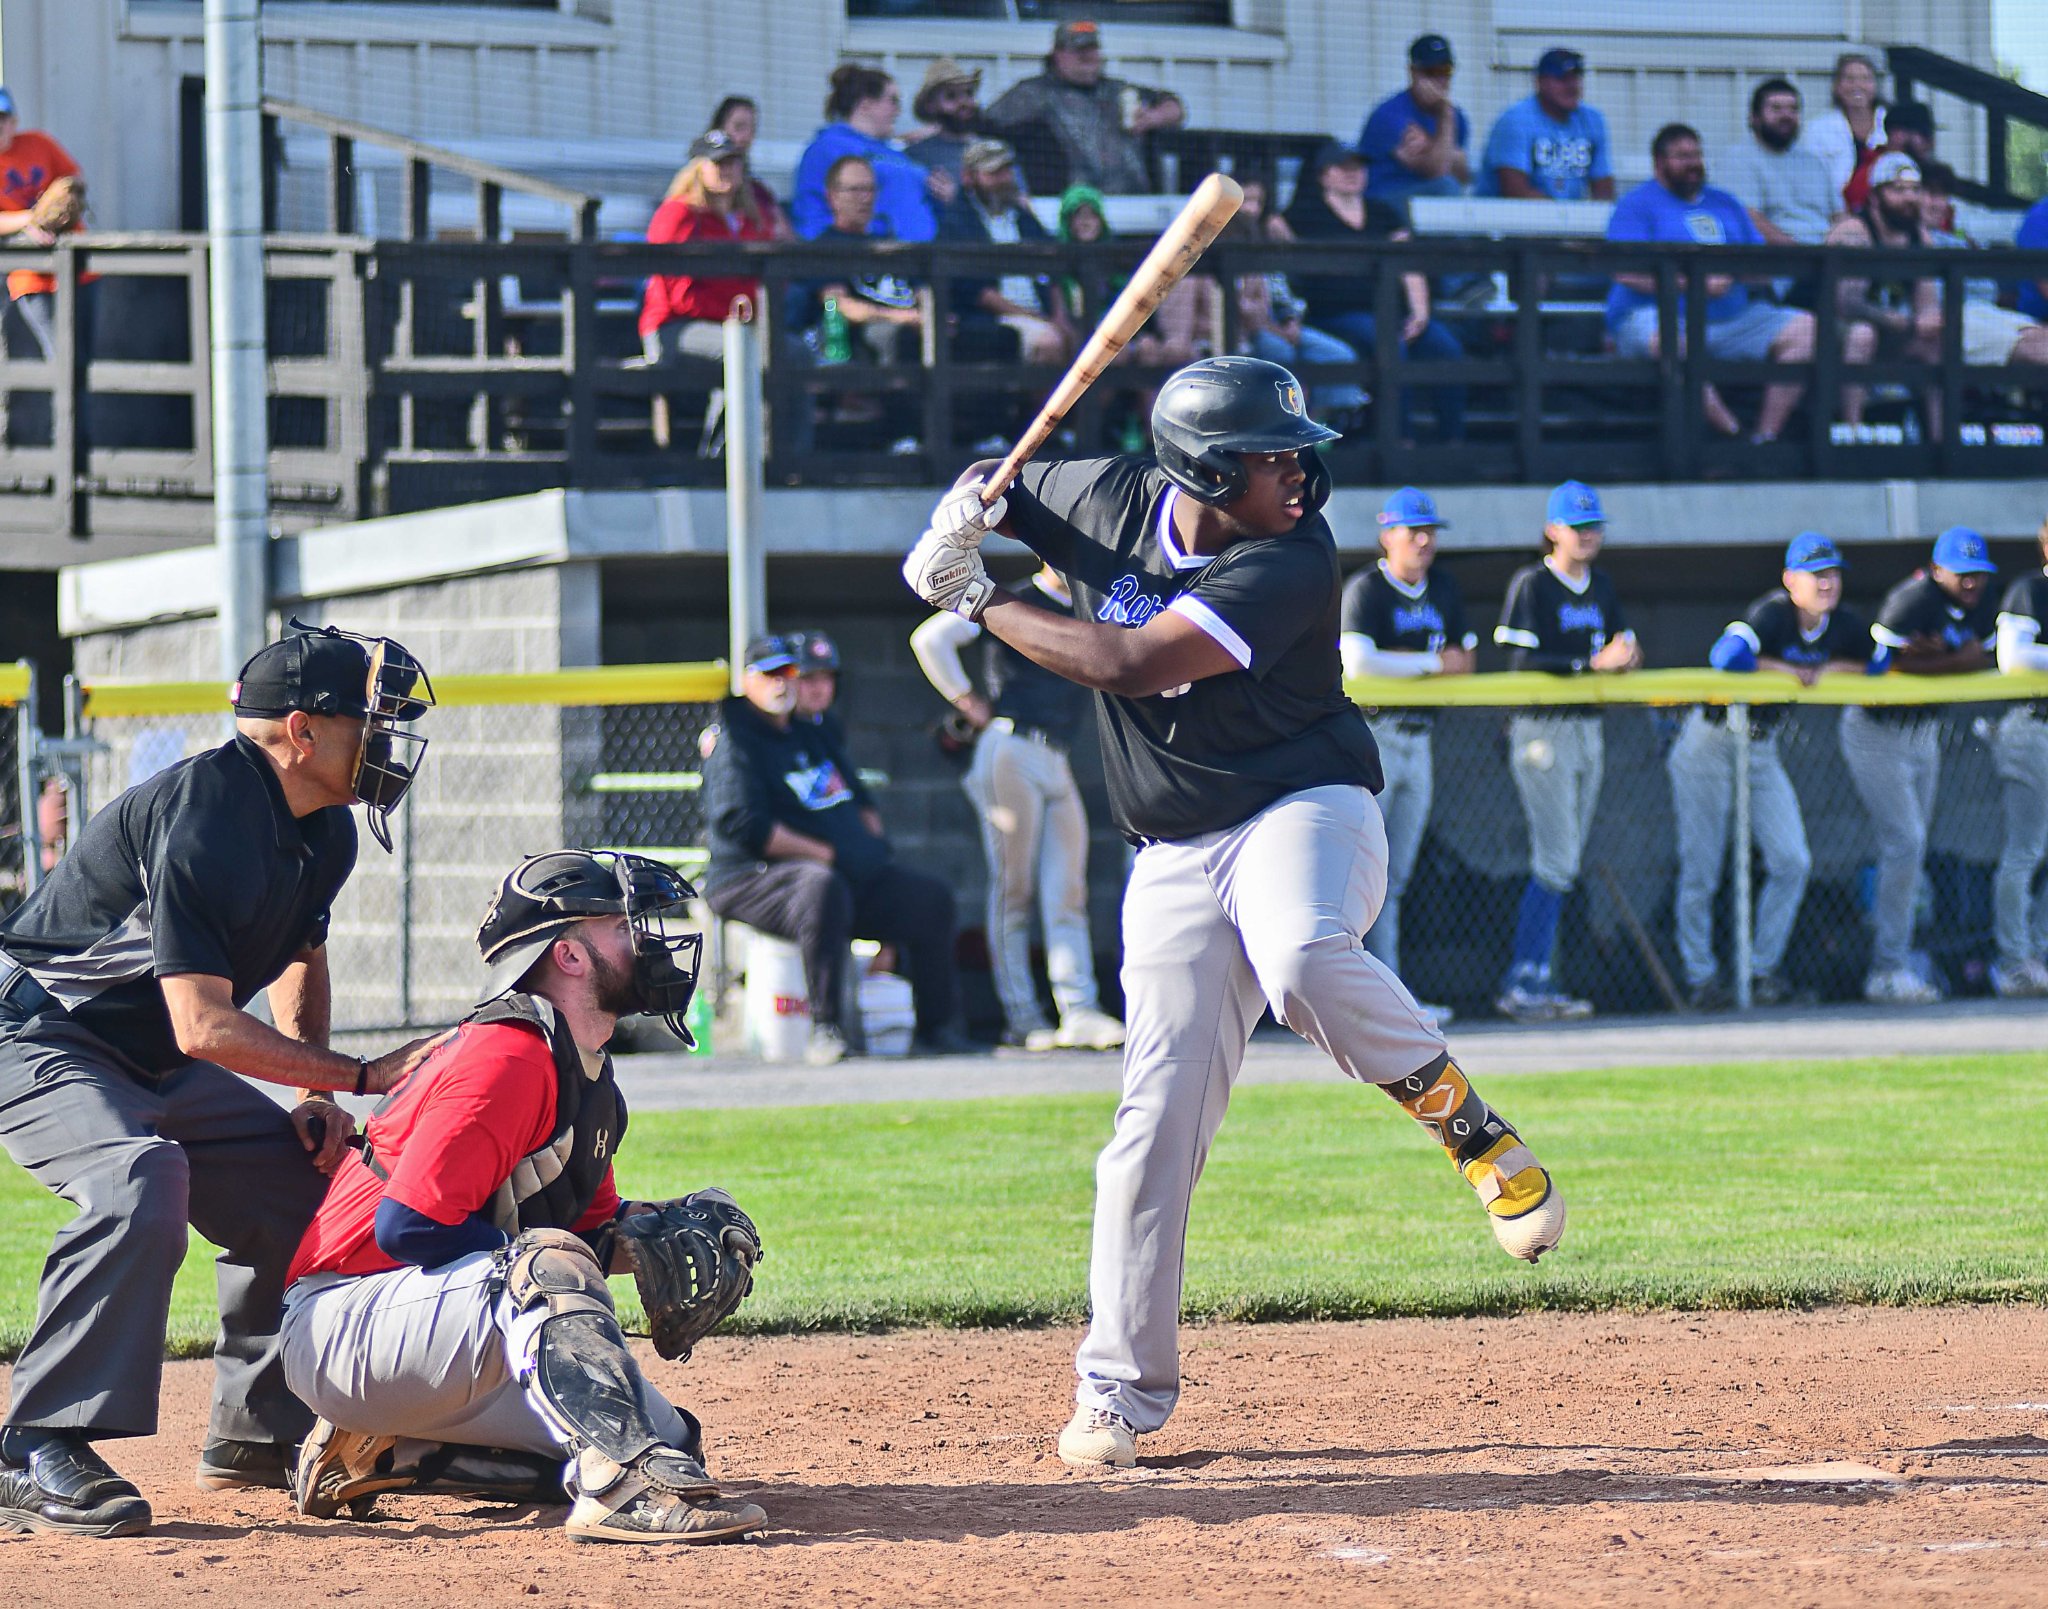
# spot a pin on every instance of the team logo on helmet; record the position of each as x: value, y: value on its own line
x: 1290, y: 397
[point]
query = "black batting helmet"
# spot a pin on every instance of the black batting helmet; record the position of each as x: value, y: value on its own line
x: 1212, y: 412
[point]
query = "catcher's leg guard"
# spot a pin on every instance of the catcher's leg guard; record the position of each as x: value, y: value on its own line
x: 1522, y: 1204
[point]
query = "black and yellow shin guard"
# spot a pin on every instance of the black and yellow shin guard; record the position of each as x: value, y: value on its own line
x: 1522, y: 1204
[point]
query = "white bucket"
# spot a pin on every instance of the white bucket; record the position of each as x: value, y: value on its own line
x: 886, y: 1014
x: 777, y: 1017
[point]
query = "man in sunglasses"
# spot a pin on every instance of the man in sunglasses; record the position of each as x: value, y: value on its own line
x: 123, y: 986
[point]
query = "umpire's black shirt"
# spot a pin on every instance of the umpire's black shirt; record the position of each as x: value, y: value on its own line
x: 201, y: 869
x: 1213, y: 754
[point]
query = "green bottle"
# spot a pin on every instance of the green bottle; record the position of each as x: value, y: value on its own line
x: 836, y: 347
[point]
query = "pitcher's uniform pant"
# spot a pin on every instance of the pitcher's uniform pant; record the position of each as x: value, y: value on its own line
x: 1271, y: 912
x: 1035, y: 835
x: 1702, y: 766
x: 2021, y: 757
x: 1409, y: 768
x: 1896, y: 765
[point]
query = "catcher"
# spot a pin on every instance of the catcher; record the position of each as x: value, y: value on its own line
x: 447, y: 1316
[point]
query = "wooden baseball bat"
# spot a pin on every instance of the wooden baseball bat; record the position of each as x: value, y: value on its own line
x: 1214, y: 204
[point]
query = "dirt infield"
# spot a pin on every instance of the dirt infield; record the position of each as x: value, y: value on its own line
x: 1841, y: 1457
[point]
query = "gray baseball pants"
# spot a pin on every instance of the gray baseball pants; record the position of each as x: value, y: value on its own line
x: 1896, y: 766
x: 1035, y: 835
x: 1407, y: 764
x: 1702, y: 766
x: 2021, y: 757
x: 1557, y: 761
x: 140, y: 1159
x: 1271, y: 912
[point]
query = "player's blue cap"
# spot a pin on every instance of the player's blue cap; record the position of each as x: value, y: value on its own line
x: 1411, y: 506
x: 6, y: 102
x: 1574, y: 503
x: 1962, y: 551
x: 1810, y: 551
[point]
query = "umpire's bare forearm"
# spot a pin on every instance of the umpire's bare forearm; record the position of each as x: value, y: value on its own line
x: 209, y: 1026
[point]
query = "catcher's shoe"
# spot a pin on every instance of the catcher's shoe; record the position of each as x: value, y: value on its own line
x: 664, y: 1497
x: 1096, y: 1438
x: 1522, y: 1204
x: 340, y: 1469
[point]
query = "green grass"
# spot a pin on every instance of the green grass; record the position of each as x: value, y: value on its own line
x: 1878, y: 1181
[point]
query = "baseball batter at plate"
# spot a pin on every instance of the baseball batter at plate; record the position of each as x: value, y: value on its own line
x: 1206, y: 591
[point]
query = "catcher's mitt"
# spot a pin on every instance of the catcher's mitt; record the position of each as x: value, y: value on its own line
x: 61, y: 206
x: 693, y: 1260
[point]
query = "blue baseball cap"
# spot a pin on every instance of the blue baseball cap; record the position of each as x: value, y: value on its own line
x: 1411, y: 506
x: 1812, y: 552
x: 1574, y: 503
x: 769, y: 652
x: 6, y: 103
x: 1558, y: 62
x: 1962, y: 551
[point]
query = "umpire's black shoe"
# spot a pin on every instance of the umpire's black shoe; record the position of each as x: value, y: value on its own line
x: 240, y: 1466
x: 52, y: 1480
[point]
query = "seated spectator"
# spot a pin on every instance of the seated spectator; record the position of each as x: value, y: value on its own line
x: 1851, y: 131
x: 1332, y: 203
x: 30, y: 162
x: 738, y: 119
x: 1096, y: 123
x: 1991, y: 333
x: 1678, y: 205
x: 1908, y: 130
x: 680, y: 314
x: 1184, y: 327
x: 1550, y: 145
x: 1783, y: 183
x: 1414, y: 142
x: 1270, y: 316
x: 990, y: 208
x: 860, y: 116
x: 1903, y: 308
x: 798, y: 851
x: 2033, y: 236
x: 946, y: 101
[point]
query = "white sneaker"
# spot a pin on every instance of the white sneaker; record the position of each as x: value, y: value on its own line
x: 1900, y: 987
x: 1095, y: 1438
x: 1569, y: 1007
x: 1089, y: 1029
x: 2023, y: 980
x: 1524, y: 1004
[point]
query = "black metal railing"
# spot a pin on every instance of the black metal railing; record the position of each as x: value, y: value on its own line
x: 2003, y: 102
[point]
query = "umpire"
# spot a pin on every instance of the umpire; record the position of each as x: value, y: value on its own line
x: 122, y: 987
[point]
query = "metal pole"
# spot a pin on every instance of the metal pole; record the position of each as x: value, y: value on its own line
x: 234, y: 226
x: 1738, y: 730
x: 78, y: 808
x: 746, y: 566
x: 27, y: 782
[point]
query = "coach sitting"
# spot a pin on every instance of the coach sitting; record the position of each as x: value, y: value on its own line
x: 797, y: 851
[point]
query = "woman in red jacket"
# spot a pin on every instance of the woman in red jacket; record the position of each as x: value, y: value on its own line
x: 710, y: 200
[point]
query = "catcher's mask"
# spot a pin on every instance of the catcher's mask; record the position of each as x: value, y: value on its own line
x: 545, y: 895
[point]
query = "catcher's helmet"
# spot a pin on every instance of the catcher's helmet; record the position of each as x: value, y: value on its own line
x: 1211, y: 412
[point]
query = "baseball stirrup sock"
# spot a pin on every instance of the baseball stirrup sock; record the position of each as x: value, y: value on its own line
x: 1536, y: 926
x: 1479, y: 1141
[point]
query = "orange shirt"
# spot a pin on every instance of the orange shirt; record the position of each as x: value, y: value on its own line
x: 27, y: 168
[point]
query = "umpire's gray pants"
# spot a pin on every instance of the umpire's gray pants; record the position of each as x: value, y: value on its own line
x: 1896, y: 766
x: 1035, y: 836
x: 1557, y: 761
x: 1702, y: 765
x: 1409, y: 769
x: 2021, y: 757
x: 140, y: 1160
x: 1271, y: 912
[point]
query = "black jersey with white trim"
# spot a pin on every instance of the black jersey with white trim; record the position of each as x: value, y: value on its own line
x: 1772, y: 630
x: 2023, y: 615
x: 1547, y: 623
x: 1918, y: 607
x: 1425, y: 618
x: 1203, y: 757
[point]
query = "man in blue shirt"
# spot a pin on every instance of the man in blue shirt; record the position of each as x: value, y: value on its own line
x: 1678, y: 205
x: 2033, y: 236
x: 1550, y: 146
x: 1414, y: 142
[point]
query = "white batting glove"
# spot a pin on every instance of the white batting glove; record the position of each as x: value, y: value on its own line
x: 960, y: 520
x: 948, y: 576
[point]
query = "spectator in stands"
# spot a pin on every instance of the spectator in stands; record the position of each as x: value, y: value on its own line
x: 1097, y: 123
x: 860, y: 113
x: 739, y: 119
x: 1550, y: 145
x: 1991, y: 333
x: 1184, y: 327
x: 1904, y: 309
x: 1332, y: 203
x: 990, y: 208
x: 947, y: 102
x: 797, y: 851
x: 1679, y: 205
x: 680, y: 314
x: 1940, y: 621
x: 1270, y: 318
x: 1414, y: 141
x: 1909, y: 131
x: 30, y: 162
x: 2019, y: 918
x: 2033, y: 236
x: 1849, y: 133
x: 1782, y: 182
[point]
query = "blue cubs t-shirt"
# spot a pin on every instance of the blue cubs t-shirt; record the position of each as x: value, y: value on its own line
x: 1385, y: 178
x: 1712, y: 218
x: 1561, y: 159
x: 2033, y: 236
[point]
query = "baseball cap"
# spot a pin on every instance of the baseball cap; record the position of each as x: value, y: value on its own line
x: 1331, y: 152
x: 1810, y: 551
x: 714, y: 143
x: 1894, y: 167
x: 770, y: 652
x: 1909, y: 117
x: 6, y: 103
x: 1574, y: 503
x: 986, y: 156
x: 1411, y: 506
x: 1962, y: 551
x: 308, y: 669
x: 1558, y: 62
x: 1077, y: 36
x: 816, y: 653
x: 1430, y: 50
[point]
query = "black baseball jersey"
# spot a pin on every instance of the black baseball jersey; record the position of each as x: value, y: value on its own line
x: 1549, y: 624
x: 1917, y: 607
x: 2026, y: 602
x: 1772, y: 630
x: 1214, y: 753
x: 1390, y: 614
x: 201, y: 869
x: 1024, y: 690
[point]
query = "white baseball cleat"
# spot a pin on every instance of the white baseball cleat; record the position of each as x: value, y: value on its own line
x: 2023, y: 980
x: 1900, y: 987
x: 1095, y: 1438
x: 1523, y: 1204
x: 1088, y: 1029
